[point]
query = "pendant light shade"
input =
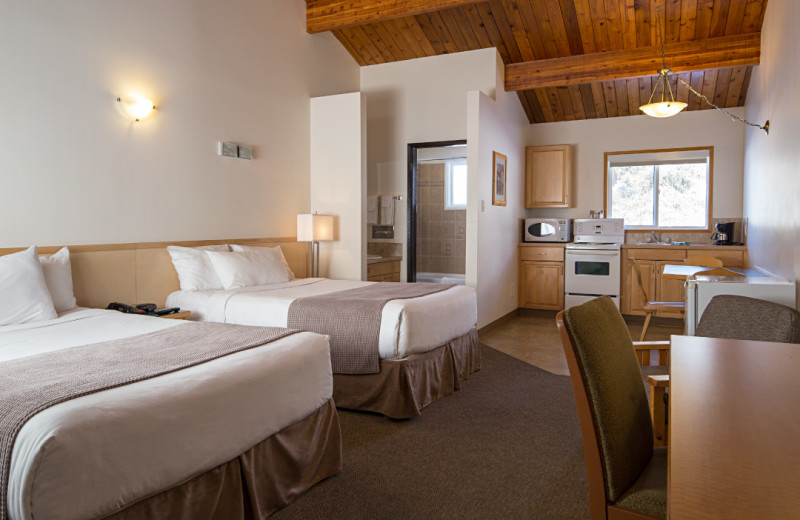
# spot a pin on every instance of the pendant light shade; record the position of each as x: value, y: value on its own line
x: 663, y: 108
x: 667, y: 107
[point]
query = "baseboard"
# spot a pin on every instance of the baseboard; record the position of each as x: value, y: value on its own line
x: 498, y: 322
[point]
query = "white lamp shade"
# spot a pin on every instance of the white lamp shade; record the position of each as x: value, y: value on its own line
x: 663, y: 109
x: 314, y: 227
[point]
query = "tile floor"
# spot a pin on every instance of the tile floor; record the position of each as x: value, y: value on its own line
x: 532, y: 336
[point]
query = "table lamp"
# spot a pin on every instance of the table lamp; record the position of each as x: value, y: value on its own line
x: 313, y: 228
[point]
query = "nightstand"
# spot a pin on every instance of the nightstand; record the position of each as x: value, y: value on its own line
x: 178, y: 315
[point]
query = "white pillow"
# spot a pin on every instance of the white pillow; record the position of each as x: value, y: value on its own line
x: 237, y: 247
x: 246, y: 268
x: 57, y: 271
x: 194, y: 269
x: 24, y: 292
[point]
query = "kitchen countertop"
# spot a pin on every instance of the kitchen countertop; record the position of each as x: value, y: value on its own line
x: 684, y: 246
x: 383, y: 259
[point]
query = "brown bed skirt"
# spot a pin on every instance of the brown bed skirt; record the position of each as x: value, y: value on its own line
x: 405, y: 386
x: 258, y: 482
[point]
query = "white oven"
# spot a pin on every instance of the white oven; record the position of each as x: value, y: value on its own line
x: 592, y: 264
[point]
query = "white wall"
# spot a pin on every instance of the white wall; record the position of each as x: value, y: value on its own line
x: 772, y: 162
x: 339, y: 181
x: 73, y: 171
x: 493, y: 231
x: 417, y: 101
x: 593, y: 137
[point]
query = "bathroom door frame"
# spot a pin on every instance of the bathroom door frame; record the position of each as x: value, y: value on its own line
x: 413, y: 179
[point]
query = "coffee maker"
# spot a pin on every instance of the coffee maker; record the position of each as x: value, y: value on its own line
x: 724, y: 234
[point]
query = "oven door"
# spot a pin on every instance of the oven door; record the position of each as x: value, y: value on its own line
x: 592, y: 272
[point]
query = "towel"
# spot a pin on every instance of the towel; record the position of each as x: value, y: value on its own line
x: 372, y: 209
x: 387, y: 210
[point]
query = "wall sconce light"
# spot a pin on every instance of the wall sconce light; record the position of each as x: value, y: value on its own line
x: 137, y: 107
x: 313, y: 228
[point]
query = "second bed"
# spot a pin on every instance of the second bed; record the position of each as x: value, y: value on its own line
x: 427, y: 345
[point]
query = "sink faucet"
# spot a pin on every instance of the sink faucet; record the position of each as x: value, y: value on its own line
x: 655, y: 237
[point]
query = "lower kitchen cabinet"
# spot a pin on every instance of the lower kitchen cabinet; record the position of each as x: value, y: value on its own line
x: 541, y: 277
x: 651, y: 264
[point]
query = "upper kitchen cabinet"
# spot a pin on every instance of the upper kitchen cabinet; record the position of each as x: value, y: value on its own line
x: 548, y: 176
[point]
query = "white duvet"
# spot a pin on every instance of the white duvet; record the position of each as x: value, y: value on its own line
x: 409, y: 326
x: 86, y: 457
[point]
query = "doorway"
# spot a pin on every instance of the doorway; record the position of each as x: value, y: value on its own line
x: 437, y: 212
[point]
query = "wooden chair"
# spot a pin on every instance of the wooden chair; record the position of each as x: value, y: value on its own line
x: 717, y: 271
x: 627, y: 476
x: 739, y: 317
x: 650, y: 306
x: 703, y: 261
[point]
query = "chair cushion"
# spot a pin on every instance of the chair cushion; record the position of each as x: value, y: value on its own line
x: 648, y: 494
x: 618, y: 401
x: 739, y: 317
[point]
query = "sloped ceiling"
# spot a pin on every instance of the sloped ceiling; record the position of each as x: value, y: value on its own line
x: 566, y: 59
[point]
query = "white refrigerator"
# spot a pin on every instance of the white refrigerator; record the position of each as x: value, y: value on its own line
x: 755, y: 285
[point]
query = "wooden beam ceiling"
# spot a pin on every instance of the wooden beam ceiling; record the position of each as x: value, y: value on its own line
x: 330, y: 15
x: 712, y: 53
x: 566, y: 59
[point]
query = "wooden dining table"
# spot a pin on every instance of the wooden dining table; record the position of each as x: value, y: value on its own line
x: 734, y: 420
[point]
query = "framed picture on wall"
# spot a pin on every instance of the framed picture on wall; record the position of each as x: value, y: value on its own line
x: 499, y: 179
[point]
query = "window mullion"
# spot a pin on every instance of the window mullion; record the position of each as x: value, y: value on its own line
x: 656, y: 184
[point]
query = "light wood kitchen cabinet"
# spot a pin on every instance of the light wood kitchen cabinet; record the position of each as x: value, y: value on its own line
x: 548, y: 176
x: 384, y: 271
x: 541, y: 277
x: 651, y: 264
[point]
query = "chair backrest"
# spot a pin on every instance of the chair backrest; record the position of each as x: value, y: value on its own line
x: 739, y: 317
x: 637, y: 274
x: 717, y: 271
x: 703, y: 261
x: 612, y: 403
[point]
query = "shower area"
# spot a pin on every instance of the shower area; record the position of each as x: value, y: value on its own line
x: 438, y: 220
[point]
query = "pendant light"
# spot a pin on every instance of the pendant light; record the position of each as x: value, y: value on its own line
x: 668, y: 107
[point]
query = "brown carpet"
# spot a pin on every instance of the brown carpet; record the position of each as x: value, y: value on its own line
x: 506, y: 446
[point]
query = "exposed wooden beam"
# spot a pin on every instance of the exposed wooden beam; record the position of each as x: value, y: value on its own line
x: 329, y: 15
x: 711, y: 53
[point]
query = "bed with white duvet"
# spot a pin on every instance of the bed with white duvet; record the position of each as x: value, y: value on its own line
x: 427, y: 344
x: 241, y: 434
x: 86, y: 457
x: 410, y: 326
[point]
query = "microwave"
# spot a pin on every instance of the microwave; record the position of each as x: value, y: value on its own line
x: 547, y: 230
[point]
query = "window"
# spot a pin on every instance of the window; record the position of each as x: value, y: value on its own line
x: 661, y: 189
x: 455, y: 184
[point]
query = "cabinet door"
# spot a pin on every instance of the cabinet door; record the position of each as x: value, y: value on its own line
x: 668, y: 290
x: 632, y: 299
x: 548, y: 174
x: 541, y: 285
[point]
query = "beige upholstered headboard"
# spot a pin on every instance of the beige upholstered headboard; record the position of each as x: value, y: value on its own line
x: 143, y: 272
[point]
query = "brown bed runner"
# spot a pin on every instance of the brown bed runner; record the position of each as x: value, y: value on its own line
x: 31, y: 384
x: 352, y: 319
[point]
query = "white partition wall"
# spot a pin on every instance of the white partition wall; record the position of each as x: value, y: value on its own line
x: 339, y: 181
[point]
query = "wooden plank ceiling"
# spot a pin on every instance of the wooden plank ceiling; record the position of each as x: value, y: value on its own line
x: 566, y: 59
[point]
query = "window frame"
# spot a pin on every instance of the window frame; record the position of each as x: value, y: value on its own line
x: 448, y: 181
x: 647, y: 229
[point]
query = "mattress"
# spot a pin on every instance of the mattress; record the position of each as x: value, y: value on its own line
x: 86, y: 457
x: 410, y: 326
